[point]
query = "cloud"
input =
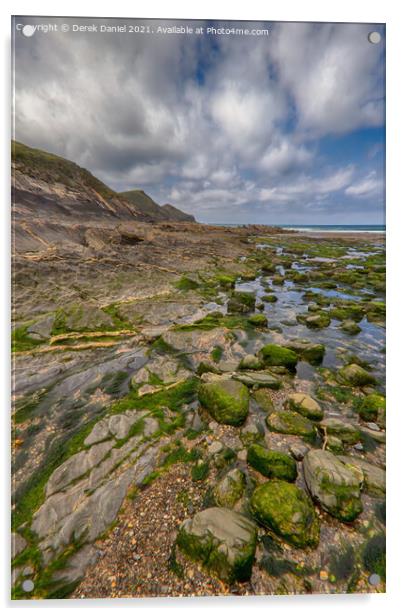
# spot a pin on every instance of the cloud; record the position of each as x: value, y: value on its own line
x: 369, y: 185
x: 224, y: 127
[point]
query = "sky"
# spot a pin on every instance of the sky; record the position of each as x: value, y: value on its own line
x: 284, y: 128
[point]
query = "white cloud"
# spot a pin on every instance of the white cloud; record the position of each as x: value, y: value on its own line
x: 365, y: 187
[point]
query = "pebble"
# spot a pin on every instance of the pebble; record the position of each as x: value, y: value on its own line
x: 373, y: 426
x: 215, y: 447
x: 242, y: 455
x: 323, y: 576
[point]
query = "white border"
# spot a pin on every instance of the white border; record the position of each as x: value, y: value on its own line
x: 285, y: 10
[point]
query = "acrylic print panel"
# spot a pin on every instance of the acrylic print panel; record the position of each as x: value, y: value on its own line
x: 198, y: 308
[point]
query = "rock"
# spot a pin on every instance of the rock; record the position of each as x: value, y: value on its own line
x: 43, y: 327
x: 334, y: 486
x: 251, y: 432
x: 215, y: 447
x: 271, y: 299
x: 222, y: 540
x: 227, y: 401
x: 258, y: 379
x: 146, y: 389
x: 370, y: 406
x: 167, y: 370
x: 289, y: 422
x: 379, y: 437
x: 298, y: 451
x: 346, y: 432
x: 287, y: 511
x: 77, y: 564
x: 242, y: 455
x: 18, y: 545
x: 85, y: 317
x: 263, y: 398
x: 374, y: 476
x: 315, y: 321
x: 355, y: 375
x: 117, y: 426
x: 258, y: 320
x: 309, y: 351
x: 275, y: 355
x: 250, y: 362
x: 350, y: 327
x: 305, y: 405
x: 272, y: 464
x: 334, y: 444
x: 205, y: 367
x: 76, y: 466
x: 196, y: 341
x: 230, y: 489
x: 241, y: 302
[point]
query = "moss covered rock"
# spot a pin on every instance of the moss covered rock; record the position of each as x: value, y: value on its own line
x: 263, y: 398
x: 346, y: 432
x: 222, y: 540
x: 276, y: 355
x: 241, y: 302
x: 351, y: 327
x: 355, y: 375
x: 226, y: 400
x: 270, y: 298
x: 316, y: 321
x: 258, y: 320
x: 305, y: 405
x: 332, y: 484
x: 258, y: 378
x: 230, y: 489
x: 287, y: 511
x: 309, y: 351
x: 272, y: 464
x: 289, y: 422
x: 371, y: 406
x: 250, y: 362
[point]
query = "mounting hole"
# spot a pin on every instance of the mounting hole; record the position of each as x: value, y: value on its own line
x: 374, y: 579
x: 28, y: 585
x: 374, y: 37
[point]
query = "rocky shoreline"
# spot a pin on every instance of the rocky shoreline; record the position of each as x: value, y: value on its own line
x: 198, y: 411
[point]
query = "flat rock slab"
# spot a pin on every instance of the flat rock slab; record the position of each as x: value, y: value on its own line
x: 346, y: 432
x: 289, y: 422
x: 222, y: 540
x: 258, y: 379
x: 305, y: 405
x: 117, y: 426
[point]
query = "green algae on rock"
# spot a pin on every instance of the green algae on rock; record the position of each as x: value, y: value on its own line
x: 258, y: 320
x: 286, y: 510
x: 351, y: 327
x: 309, y: 351
x: 305, y: 405
x: 226, y: 400
x: 289, y: 422
x: 333, y: 485
x: 272, y: 464
x: 222, y: 540
x: 276, y: 355
x: 355, y: 375
x: 250, y: 362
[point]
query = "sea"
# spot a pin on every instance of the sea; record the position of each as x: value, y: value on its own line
x: 320, y: 228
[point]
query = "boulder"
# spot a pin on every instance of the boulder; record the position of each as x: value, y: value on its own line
x: 332, y: 484
x: 315, y: 321
x: 222, y: 540
x: 374, y: 476
x: 272, y: 464
x: 355, y: 375
x: 309, y: 351
x: 276, y: 355
x: 346, y: 432
x: 289, y: 422
x: 226, y: 400
x: 229, y: 489
x: 287, y: 511
x: 305, y: 405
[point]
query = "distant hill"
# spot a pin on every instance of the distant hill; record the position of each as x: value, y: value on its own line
x: 49, y: 186
x: 148, y: 207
